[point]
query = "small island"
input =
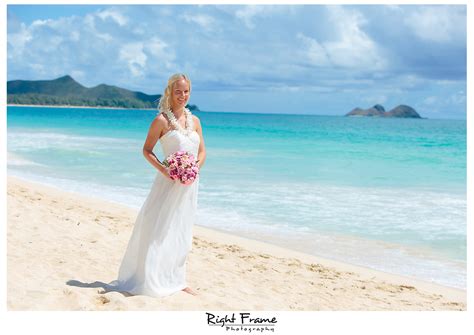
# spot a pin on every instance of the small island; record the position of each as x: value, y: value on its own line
x: 401, y: 111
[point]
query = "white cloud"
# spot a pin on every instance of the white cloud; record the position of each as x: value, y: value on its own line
x: 17, y: 41
x: 395, y: 8
x: 75, y: 36
x: 160, y: 54
x: 350, y: 46
x: 438, y: 24
x: 353, y: 47
x: 38, y: 23
x: 205, y: 21
x: 92, y: 31
x: 436, y: 103
x: 316, y: 53
x: 113, y: 14
x: 458, y: 98
x: 135, y: 58
x: 247, y: 13
x: 156, y: 47
x: 104, y: 36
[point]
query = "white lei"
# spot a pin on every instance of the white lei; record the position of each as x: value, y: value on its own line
x: 177, y: 126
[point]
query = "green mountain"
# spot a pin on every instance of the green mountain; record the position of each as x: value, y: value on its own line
x: 66, y: 91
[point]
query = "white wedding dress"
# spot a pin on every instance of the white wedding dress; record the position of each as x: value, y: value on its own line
x: 154, y: 262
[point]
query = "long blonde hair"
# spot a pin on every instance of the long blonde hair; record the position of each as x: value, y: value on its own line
x: 164, y: 103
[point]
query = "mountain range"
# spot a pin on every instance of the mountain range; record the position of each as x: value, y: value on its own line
x: 67, y: 91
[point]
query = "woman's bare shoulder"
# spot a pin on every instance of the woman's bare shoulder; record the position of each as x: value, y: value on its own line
x: 159, y: 125
x: 196, y: 120
x: 160, y: 121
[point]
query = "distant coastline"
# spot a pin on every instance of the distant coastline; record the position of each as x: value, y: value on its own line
x: 65, y: 92
x: 71, y: 106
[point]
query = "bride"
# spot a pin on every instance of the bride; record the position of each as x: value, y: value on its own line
x: 154, y: 261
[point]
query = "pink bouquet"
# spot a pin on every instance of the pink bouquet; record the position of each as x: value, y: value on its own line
x: 182, y: 166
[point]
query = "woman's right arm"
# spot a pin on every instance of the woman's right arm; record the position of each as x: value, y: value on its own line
x: 154, y: 133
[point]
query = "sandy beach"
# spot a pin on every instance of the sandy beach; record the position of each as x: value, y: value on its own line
x: 63, y: 247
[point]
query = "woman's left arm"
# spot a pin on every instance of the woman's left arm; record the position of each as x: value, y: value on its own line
x: 202, y: 147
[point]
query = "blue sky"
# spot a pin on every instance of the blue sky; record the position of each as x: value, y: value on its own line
x: 303, y: 59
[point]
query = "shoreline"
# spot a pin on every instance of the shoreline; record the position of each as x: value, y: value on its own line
x: 73, y: 106
x: 343, y: 248
x: 207, y: 241
x: 85, y: 107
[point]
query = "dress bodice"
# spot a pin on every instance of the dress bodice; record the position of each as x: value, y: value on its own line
x: 174, y: 141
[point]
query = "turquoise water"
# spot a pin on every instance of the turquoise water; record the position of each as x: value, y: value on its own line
x: 384, y: 193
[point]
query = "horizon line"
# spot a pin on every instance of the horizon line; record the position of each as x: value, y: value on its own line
x: 228, y: 112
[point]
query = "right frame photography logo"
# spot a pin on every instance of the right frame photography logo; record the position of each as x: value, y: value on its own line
x: 242, y: 322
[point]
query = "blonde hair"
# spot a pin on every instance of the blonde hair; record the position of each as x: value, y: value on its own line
x: 164, y: 103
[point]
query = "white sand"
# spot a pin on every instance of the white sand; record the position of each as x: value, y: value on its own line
x: 62, y: 248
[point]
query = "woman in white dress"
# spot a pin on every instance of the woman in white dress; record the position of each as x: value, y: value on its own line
x: 154, y: 262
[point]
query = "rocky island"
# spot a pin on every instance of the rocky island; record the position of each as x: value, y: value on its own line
x: 402, y: 111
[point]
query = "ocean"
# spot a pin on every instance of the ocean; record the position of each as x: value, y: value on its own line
x: 388, y: 194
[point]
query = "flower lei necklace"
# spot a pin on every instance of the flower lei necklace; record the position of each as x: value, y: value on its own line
x: 177, y: 126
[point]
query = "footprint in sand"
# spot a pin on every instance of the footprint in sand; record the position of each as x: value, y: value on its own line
x: 102, y: 300
x: 315, y: 268
x: 67, y: 292
x: 407, y: 287
x: 247, y: 256
x: 260, y: 267
x: 234, y: 248
x: 294, y: 262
